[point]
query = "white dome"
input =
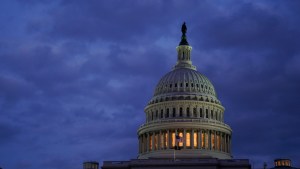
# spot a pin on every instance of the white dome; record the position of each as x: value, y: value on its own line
x: 184, y: 80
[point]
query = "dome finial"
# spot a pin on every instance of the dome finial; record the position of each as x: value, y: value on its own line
x: 183, y: 37
x: 183, y: 29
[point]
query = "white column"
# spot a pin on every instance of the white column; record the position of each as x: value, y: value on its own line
x: 221, y: 141
x: 140, y: 144
x: 215, y: 140
x: 147, y: 142
x: 199, y: 139
x: 209, y: 139
x: 164, y: 140
x: 169, y: 140
x: 184, y: 138
x: 229, y: 145
x: 192, y: 139
x: 153, y: 139
x: 225, y: 143
x: 159, y: 140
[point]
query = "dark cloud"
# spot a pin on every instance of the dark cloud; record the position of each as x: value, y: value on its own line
x: 75, y: 76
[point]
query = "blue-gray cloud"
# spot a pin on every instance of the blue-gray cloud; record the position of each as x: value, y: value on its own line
x: 76, y: 75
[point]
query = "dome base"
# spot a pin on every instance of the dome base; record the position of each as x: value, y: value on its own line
x: 188, y: 153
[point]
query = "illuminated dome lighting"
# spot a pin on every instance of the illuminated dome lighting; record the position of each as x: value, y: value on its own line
x: 184, y: 114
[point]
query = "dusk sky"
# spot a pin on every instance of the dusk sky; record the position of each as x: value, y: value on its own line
x: 75, y: 75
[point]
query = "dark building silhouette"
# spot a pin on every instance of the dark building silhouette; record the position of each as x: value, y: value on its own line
x: 91, y: 165
x: 283, y: 163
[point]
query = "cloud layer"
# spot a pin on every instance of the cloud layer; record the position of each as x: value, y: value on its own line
x: 75, y: 76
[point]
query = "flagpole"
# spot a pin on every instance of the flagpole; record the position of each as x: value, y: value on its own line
x: 174, y: 154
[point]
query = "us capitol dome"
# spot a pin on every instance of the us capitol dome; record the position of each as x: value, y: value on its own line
x: 184, y: 113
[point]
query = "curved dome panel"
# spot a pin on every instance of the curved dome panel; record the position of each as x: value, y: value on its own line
x: 184, y: 80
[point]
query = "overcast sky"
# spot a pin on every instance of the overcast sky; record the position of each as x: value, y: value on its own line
x: 76, y: 75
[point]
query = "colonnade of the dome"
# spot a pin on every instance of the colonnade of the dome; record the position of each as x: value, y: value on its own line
x: 184, y: 87
x: 201, y: 139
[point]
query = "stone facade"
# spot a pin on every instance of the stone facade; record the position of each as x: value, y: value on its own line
x: 204, y: 163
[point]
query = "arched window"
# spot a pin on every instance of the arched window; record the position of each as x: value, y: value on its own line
x: 161, y: 113
x: 167, y: 115
x: 174, y: 112
x: 173, y: 139
x: 152, y: 115
x: 218, y: 142
x: 188, y: 112
x: 166, y: 140
x: 206, y: 114
x: 180, y: 112
x: 150, y: 142
x: 195, y: 139
x: 203, y: 140
x: 156, y: 114
x: 180, y: 143
x: 188, y: 139
x: 201, y: 114
x: 211, y: 114
x: 195, y: 112
x: 212, y: 141
x: 155, y: 141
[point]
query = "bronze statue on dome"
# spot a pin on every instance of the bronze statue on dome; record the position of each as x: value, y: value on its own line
x: 183, y: 28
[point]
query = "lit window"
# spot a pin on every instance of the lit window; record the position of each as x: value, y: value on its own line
x: 206, y: 140
x: 166, y: 139
x: 161, y: 140
x: 167, y: 112
x: 180, y: 143
x: 195, y: 139
x: 188, y: 139
x: 150, y: 142
x: 173, y: 139
x: 180, y: 112
x: 212, y: 140
x: 155, y: 141
x: 202, y: 140
x: 218, y: 142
